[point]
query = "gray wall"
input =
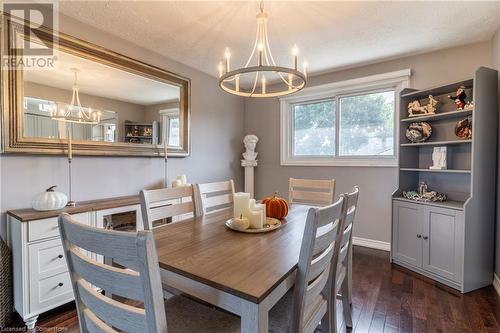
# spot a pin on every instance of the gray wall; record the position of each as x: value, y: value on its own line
x: 496, y: 62
x: 377, y: 184
x: 216, y: 127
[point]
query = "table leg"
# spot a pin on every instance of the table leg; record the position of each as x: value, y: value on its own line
x: 254, y: 318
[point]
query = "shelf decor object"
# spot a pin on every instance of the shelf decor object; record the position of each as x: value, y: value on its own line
x: 252, y: 79
x: 418, y: 132
x: 452, y: 241
x: 463, y: 128
x: 49, y: 200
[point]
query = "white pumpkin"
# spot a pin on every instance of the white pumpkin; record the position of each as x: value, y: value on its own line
x: 49, y: 200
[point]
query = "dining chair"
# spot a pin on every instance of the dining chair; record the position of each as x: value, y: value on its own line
x: 343, y: 263
x: 213, y: 197
x: 312, y: 192
x: 309, y: 303
x: 351, y: 204
x: 176, y: 203
x: 99, y: 313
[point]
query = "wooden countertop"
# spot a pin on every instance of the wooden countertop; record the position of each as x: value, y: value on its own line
x: 29, y: 214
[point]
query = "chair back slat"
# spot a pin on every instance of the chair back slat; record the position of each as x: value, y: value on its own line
x: 325, y: 236
x: 94, y: 324
x: 119, y: 315
x: 100, y: 241
x: 311, y: 192
x: 214, y: 197
x: 166, y: 203
x: 320, y: 263
x: 98, y: 312
x: 171, y: 210
x: 105, y: 276
x: 312, y: 283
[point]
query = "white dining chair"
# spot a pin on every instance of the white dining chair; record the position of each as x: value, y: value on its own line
x: 312, y: 192
x: 343, y: 266
x: 161, y: 204
x: 99, y: 313
x: 310, y: 303
x: 352, y: 205
x: 213, y: 197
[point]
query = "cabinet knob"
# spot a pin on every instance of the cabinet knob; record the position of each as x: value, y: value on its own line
x: 60, y: 256
x: 419, y: 236
x: 60, y: 284
x: 425, y: 237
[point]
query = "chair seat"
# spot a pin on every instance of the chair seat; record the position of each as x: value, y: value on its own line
x: 280, y: 316
x: 185, y: 315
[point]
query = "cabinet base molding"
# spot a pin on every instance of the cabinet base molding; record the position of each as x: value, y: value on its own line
x: 371, y: 243
x: 496, y: 283
x: 429, y: 275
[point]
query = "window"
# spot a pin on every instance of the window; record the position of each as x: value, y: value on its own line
x: 344, y: 123
x: 170, y: 124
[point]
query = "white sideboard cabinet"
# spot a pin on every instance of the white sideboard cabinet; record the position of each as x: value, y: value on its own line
x: 40, y: 276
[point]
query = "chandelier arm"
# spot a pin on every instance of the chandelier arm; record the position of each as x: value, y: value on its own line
x: 254, y: 47
x: 255, y: 83
x: 272, y: 58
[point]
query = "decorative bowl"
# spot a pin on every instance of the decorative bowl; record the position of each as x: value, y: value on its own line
x: 418, y: 132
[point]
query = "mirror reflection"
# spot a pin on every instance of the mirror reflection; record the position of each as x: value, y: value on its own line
x: 96, y: 102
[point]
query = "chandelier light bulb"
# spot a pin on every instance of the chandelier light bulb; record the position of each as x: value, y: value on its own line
x: 305, y: 64
x: 221, y: 69
x: 295, y: 50
x: 263, y: 80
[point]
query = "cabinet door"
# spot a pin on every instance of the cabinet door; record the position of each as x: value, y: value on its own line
x: 443, y: 230
x: 407, y: 241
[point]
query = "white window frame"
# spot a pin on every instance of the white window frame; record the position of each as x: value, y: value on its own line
x: 166, y: 115
x: 396, y: 81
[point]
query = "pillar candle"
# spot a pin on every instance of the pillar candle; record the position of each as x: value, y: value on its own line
x: 257, y: 214
x: 241, y: 204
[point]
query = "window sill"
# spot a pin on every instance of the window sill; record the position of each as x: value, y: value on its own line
x: 362, y: 162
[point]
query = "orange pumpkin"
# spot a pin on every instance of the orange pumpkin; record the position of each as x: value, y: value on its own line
x: 275, y: 206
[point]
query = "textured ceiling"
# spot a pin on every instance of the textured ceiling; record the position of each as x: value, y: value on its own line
x: 100, y: 80
x: 330, y: 35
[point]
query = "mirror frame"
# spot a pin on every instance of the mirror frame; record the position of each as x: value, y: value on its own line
x: 13, y: 140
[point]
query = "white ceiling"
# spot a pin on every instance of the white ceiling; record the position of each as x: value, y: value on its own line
x: 100, y: 80
x: 330, y: 35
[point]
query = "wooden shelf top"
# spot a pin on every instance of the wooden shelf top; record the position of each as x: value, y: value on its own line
x: 439, y: 116
x: 459, y: 205
x: 436, y: 143
x: 435, y: 170
x: 29, y: 214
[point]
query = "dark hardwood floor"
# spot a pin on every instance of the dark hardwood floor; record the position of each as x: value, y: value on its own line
x: 386, y: 299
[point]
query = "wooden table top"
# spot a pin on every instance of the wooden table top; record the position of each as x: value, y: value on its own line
x: 246, y: 265
x: 29, y: 214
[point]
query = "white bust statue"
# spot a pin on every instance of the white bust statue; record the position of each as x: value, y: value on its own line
x: 250, y: 142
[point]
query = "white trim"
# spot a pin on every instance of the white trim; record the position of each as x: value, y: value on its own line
x: 397, y: 80
x: 371, y: 243
x: 496, y: 283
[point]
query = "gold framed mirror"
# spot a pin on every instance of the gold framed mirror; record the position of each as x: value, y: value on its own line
x: 134, y: 107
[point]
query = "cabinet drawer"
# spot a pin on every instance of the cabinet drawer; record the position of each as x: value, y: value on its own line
x: 46, y: 259
x: 51, y: 291
x: 46, y: 228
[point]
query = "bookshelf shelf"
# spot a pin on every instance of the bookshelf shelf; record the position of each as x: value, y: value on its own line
x: 438, y: 116
x: 436, y: 171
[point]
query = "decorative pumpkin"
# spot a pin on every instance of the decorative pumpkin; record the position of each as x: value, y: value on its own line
x: 276, y: 207
x: 49, y: 200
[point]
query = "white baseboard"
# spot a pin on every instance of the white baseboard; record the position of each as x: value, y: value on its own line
x: 371, y: 243
x: 496, y: 283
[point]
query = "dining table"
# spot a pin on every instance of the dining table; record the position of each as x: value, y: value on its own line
x: 243, y: 273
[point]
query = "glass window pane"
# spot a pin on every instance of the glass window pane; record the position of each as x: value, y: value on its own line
x: 314, y: 128
x: 173, y: 132
x: 367, y: 125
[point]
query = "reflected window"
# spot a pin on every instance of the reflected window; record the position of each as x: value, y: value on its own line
x: 171, y: 124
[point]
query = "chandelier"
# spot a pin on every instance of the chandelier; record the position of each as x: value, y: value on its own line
x: 74, y: 112
x: 260, y: 67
